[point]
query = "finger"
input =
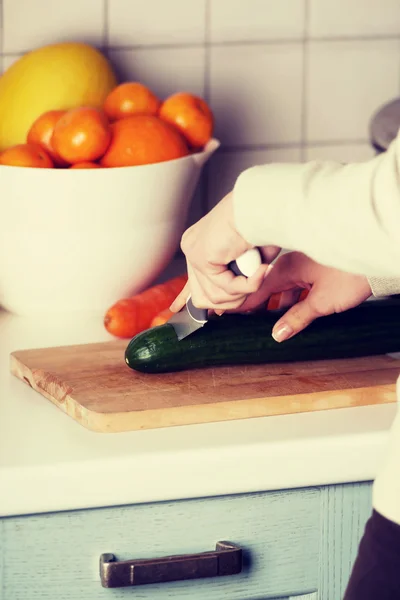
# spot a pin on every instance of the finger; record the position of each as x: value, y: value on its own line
x: 207, y: 291
x: 232, y: 305
x: 180, y: 300
x: 233, y: 284
x: 269, y: 253
x: 206, y: 296
x: 294, y: 320
x: 275, y: 284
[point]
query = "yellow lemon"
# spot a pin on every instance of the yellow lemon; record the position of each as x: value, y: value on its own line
x: 53, y: 77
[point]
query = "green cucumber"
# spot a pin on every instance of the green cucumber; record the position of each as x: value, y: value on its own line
x: 369, y: 329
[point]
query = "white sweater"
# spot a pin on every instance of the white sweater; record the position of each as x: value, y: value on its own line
x: 343, y: 216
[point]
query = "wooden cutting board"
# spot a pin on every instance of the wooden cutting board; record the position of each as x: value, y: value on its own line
x: 93, y: 385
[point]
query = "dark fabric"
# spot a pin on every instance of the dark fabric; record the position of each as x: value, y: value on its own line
x: 376, y: 571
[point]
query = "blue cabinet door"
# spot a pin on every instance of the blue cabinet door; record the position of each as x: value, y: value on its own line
x: 298, y: 545
x: 345, y: 510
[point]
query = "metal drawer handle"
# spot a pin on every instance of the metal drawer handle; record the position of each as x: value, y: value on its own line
x: 226, y: 560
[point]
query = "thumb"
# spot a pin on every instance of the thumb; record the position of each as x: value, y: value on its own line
x: 297, y: 318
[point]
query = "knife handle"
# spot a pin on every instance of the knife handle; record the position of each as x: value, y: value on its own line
x: 245, y: 265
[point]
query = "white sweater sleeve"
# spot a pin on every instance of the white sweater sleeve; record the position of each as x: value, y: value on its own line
x: 344, y: 216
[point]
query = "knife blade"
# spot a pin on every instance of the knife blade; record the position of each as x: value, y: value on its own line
x: 190, y: 318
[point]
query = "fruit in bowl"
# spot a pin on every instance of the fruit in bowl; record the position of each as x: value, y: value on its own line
x: 84, y: 240
x: 54, y: 77
x: 131, y: 127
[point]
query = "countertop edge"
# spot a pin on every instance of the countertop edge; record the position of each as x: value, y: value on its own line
x: 308, y: 463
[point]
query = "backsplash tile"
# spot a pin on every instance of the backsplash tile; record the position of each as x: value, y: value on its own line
x: 238, y: 20
x: 331, y: 18
x: 134, y: 22
x: 347, y: 81
x: 165, y: 70
x: 227, y: 166
x: 256, y: 93
x: 343, y: 153
x: 28, y: 24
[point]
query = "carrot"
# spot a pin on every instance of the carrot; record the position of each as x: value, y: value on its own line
x: 161, y: 318
x: 274, y: 299
x: 130, y: 316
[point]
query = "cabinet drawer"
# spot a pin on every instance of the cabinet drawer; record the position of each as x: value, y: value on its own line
x: 57, y: 555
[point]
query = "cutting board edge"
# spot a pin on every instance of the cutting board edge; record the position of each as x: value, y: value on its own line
x: 24, y: 374
x: 197, y: 414
x: 252, y: 408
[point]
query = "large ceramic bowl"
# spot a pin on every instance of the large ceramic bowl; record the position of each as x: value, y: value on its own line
x: 82, y: 239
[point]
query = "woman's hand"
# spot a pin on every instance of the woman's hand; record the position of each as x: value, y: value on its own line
x: 209, y: 246
x: 330, y: 291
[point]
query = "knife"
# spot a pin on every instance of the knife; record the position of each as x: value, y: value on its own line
x: 191, y: 318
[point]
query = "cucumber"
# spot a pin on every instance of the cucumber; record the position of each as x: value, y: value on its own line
x: 369, y: 329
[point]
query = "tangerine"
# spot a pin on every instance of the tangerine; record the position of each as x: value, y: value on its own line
x: 82, y: 134
x: 41, y: 132
x: 26, y: 155
x: 191, y: 115
x: 85, y: 165
x: 142, y: 140
x: 130, y: 98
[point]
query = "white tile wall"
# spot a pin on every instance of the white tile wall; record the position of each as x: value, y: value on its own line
x: 331, y: 18
x: 165, y: 70
x: 138, y: 22
x: 288, y: 79
x: 256, y: 93
x: 343, y: 153
x: 347, y: 81
x: 254, y: 20
x: 31, y: 23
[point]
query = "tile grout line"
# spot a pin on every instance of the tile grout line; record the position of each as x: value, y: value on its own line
x: 1, y: 34
x: 204, y: 183
x: 293, y: 145
x: 237, y: 43
x: 106, y: 31
x: 304, y: 96
x: 262, y: 42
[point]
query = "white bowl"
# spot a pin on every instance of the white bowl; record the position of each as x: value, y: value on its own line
x: 83, y: 239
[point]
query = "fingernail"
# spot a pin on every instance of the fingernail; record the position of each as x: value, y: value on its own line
x: 268, y: 271
x: 219, y: 313
x: 282, y: 333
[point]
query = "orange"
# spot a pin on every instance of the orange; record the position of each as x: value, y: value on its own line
x: 82, y: 134
x: 191, y: 115
x: 85, y: 165
x: 26, y: 155
x: 41, y: 131
x: 142, y: 140
x: 131, y: 98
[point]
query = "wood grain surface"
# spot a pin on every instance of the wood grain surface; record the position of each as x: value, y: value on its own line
x: 94, y: 386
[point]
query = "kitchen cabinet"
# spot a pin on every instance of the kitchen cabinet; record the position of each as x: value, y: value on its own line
x: 297, y: 544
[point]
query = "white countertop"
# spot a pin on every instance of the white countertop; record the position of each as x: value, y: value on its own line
x: 50, y: 463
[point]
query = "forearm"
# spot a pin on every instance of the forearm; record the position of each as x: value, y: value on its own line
x: 344, y: 216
